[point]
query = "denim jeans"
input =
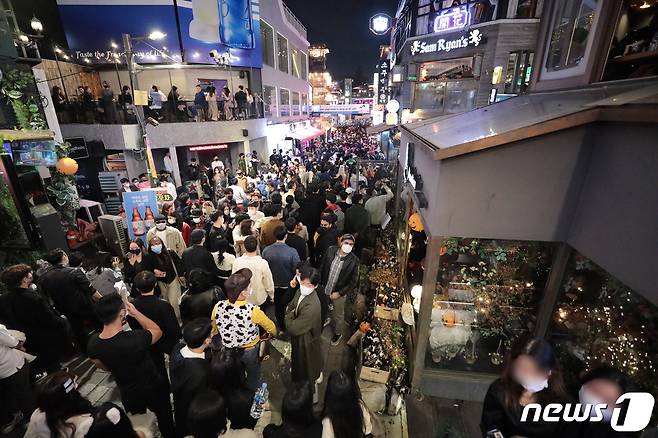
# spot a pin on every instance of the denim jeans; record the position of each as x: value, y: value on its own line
x: 251, y: 363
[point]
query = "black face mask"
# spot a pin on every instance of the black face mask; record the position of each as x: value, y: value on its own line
x: 135, y: 251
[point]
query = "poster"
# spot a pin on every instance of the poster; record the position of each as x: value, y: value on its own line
x: 141, y: 208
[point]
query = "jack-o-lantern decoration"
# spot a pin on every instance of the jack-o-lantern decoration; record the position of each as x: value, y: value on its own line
x: 67, y: 166
x: 416, y: 223
x: 449, y: 318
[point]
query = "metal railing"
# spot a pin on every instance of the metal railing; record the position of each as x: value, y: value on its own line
x: 294, y: 21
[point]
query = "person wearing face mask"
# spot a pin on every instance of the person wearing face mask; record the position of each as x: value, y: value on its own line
x: 339, y: 274
x: 198, y: 256
x: 172, y: 238
x: 126, y: 186
x: 168, y: 269
x: 325, y: 236
x: 531, y: 375
x: 304, y: 326
x: 254, y: 213
x: 603, y: 386
x: 197, y: 221
x: 189, y: 369
x: 237, y: 323
x: 24, y: 309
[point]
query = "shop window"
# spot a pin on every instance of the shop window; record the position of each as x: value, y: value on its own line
x: 429, y: 95
x: 305, y: 108
x: 634, y: 48
x: 519, y: 68
x: 304, y: 65
x: 460, y: 96
x: 267, y: 38
x: 526, y: 8
x: 600, y: 321
x: 572, y: 27
x: 282, y: 53
x: 296, y: 62
x: 487, y: 295
x: 295, y: 103
x: 450, y: 69
x: 269, y: 101
x: 284, y: 102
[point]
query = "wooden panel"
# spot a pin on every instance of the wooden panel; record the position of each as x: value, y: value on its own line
x: 73, y: 75
x: 374, y: 375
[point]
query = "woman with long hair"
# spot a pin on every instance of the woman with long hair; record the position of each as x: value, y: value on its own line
x: 134, y: 262
x: 247, y: 228
x: 110, y: 421
x: 200, y: 297
x: 168, y: 268
x: 297, y: 415
x: 206, y: 417
x: 223, y: 259
x: 227, y: 373
x: 345, y: 415
x: 531, y: 375
x: 211, y: 98
x: 61, y: 411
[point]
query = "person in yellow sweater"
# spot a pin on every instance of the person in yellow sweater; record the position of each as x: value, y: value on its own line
x: 237, y: 323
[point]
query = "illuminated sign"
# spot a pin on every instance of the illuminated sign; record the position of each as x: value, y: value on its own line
x: 452, y: 19
x: 382, y: 77
x: 472, y: 39
x: 208, y: 147
x: 380, y: 24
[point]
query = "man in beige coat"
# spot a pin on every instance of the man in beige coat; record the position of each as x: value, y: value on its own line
x: 262, y: 283
x: 172, y: 238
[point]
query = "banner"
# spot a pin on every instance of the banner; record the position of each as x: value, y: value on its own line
x: 140, y: 208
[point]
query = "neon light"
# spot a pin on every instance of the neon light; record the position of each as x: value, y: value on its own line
x: 208, y: 147
x: 452, y: 19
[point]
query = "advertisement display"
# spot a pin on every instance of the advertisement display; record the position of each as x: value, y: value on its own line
x: 141, y: 208
x: 231, y: 27
x: 341, y: 109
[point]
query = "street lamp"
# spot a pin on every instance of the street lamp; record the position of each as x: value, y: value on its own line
x: 156, y: 35
x: 36, y: 25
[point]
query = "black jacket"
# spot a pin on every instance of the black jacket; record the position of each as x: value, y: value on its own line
x: 70, y: 291
x: 45, y: 331
x: 188, y: 377
x: 286, y: 431
x: 294, y: 241
x: 200, y: 304
x: 161, y: 313
x: 496, y: 415
x: 349, y: 273
x: 213, y: 235
x: 196, y: 256
x: 171, y: 265
x: 327, y: 239
x: 310, y: 210
x: 357, y: 221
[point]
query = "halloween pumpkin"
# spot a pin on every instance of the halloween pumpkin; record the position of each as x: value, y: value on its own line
x: 67, y: 166
x: 449, y: 318
x: 415, y: 222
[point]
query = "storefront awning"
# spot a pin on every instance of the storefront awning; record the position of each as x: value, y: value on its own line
x: 306, y: 133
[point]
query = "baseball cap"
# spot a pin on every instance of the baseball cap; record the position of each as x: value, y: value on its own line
x: 238, y: 281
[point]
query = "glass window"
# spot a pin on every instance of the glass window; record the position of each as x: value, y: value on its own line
x: 600, y: 321
x: 487, y: 295
x: 526, y: 8
x: 519, y: 68
x: 305, y: 108
x: 460, y: 96
x: 267, y: 38
x: 429, y: 95
x: 451, y: 69
x: 269, y: 101
x: 284, y: 102
x: 572, y: 23
x: 304, y: 65
x: 295, y: 103
x: 296, y: 62
x: 634, y: 49
x: 282, y: 53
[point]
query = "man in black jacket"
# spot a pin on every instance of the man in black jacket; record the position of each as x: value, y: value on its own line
x: 340, y: 270
x: 160, y: 312
x: 295, y: 241
x: 197, y: 256
x: 72, y: 295
x: 357, y: 221
x: 23, y: 308
x: 189, y: 369
x: 327, y: 237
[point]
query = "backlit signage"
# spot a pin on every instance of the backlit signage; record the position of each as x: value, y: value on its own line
x: 208, y: 147
x: 452, y: 19
x: 430, y: 45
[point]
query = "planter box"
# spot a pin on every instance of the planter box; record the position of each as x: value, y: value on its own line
x: 387, y: 313
x: 374, y: 375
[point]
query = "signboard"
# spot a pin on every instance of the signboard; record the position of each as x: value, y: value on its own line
x: 432, y: 45
x: 383, y: 68
x: 78, y: 148
x: 232, y: 27
x: 380, y: 24
x: 208, y: 147
x: 141, y: 208
x: 342, y: 109
x: 450, y: 20
x: 161, y: 194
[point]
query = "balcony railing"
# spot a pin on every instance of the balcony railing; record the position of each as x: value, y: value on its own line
x: 294, y: 21
x: 96, y: 112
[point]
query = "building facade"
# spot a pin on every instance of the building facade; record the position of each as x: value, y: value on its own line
x: 448, y: 59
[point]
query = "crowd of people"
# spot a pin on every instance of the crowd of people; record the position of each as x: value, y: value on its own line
x: 256, y: 251
x: 244, y: 253
x: 207, y: 104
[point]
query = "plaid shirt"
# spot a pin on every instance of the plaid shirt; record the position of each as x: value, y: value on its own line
x: 334, y: 272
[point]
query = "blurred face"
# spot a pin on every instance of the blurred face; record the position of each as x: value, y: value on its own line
x: 603, y: 390
x: 528, y: 374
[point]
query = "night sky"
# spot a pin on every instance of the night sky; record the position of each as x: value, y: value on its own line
x: 343, y: 26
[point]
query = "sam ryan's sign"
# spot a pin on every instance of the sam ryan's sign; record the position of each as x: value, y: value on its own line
x: 445, y: 45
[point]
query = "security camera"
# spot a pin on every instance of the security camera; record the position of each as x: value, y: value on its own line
x: 151, y: 121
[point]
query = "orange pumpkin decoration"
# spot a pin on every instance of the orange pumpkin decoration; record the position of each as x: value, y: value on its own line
x: 364, y: 327
x: 443, y: 251
x: 416, y: 223
x: 449, y: 318
x: 67, y: 166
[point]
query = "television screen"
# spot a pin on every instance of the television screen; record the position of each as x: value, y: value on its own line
x: 35, y: 153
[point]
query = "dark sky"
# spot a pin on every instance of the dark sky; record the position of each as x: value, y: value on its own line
x: 343, y: 26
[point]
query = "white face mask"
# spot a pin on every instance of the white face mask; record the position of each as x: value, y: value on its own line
x: 171, y: 220
x: 532, y: 386
x: 346, y: 248
x: 587, y: 398
x: 305, y: 291
x: 160, y: 226
x: 196, y: 220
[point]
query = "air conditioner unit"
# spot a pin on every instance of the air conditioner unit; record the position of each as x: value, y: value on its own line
x: 115, y: 234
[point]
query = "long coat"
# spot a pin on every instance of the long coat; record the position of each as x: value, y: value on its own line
x: 304, y: 325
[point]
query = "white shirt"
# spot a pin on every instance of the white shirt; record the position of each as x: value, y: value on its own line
x: 262, y: 283
x: 189, y: 354
x: 38, y: 428
x: 238, y: 194
x: 11, y: 360
x: 171, y: 189
x: 168, y: 164
x: 217, y: 163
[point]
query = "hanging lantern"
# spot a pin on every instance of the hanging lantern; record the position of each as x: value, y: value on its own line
x: 415, y: 222
x: 67, y: 166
